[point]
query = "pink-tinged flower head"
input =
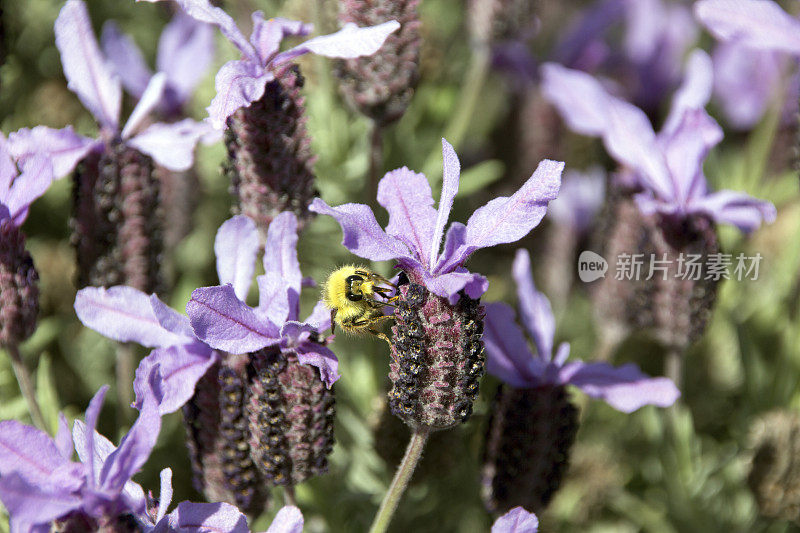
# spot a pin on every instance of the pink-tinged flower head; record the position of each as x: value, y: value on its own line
x: 414, y: 234
x: 240, y: 83
x: 668, y: 166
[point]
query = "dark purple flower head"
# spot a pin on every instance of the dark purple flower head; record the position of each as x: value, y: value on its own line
x: 756, y: 37
x: 668, y: 166
x: 517, y: 520
x: 221, y: 318
x: 92, y: 78
x: 185, y: 51
x: 129, y: 315
x: 509, y: 358
x: 414, y: 234
x: 240, y: 83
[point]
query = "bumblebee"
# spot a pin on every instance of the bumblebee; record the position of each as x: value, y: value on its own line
x: 356, y: 297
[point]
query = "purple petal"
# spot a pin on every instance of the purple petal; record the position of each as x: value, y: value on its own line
x: 759, y: 24
x: 578, y: 96
x: 29, y: 451
x: 238, y: 84
x: 204, y: 517
x: 185, y: 52
x: 125, y: 58
x: 8, y: 170
x: 517, y: 520
x: 268, y: 34
x: 280, y: 254
x: 63, y: 438
x: 351, y: 41
x: 451, y: 172
x: 580, y: 198
x: 694, y: 92
x: 320, y: 317
x: 133, y: 450
x: 171, y: 320
x: 407, y: 197
x: 624, y: 388
x: 86, y: 444
x: 203, y: 11
x: 150, y: 99
x: 180, y: 368
x: 224, y: 322
x: 275, y: 302
x: 33, y: 182
x: 171, y: 145
x: 536, y: 313
x: 123, y: 314
x: 361, y: 233
x: 311, y: 353
x: 745, y: 81
x: 508, y: 356
x: 508, y: 219
x: 288, y: 520
x: 32, y: 503
x: 448, y: 285
x: 236, y: 246
x: 164, y: 494
x: 87, y: 72
x: 63, y: 147
x: 736, y: 208
x: 685, y: 149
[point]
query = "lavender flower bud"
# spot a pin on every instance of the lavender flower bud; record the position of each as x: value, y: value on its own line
x: 180, y: 196
x: 218, y: 438
x: 19, y: 294
x: 381, y: 85
x: 291, y: 415
x: 674, y: 306
x: 270, y: 164
x: 527, y: 447
x: 117, y: 220
x: 438, y: 358
x: 775, y: 472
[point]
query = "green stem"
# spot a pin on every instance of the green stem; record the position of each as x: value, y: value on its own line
x: 124, y: 375
x: 673, y: 366
x: 471, y: 92
x: 288, y: 496
x: 26, y: 387
x: 400, y: 481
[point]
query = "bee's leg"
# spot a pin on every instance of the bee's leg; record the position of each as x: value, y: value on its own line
x: 333, y: 320
x: 369, y: 322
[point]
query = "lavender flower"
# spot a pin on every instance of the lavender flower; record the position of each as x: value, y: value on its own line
x: 380, y: 86
x: 191, y: 370
x: 750, y: 61
x: 667, y: 166
x: 437, y: 353
x: 115, y: 193
x: 97, y: 494
x: 533, y: 422
x: 289, y: 407
x: 185, y: 52
x: 517, y: 520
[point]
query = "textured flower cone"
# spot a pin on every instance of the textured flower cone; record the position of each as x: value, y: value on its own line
x: 527, y: 447
x: 218, y: 438
x: 381, y: 85
x: 496, y: 20
x: 675, y: 309
x: 775, y: 472
x: 117, y: 220
x: 437, y: 358
x: 291, y: 418
x: 180, y: 197
x: 270, y: 164
x: 19, y: 293
x: 79, y: 522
